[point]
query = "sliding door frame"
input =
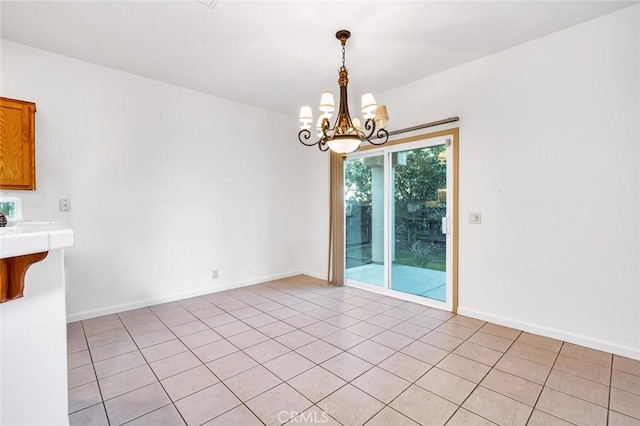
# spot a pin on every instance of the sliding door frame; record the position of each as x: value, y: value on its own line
x: 453, y: 135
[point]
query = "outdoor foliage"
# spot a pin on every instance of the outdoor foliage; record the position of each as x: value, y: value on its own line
x: 357, y: 183
x: 417, y: 207
x: 7, y: 208
x: 420, y: 204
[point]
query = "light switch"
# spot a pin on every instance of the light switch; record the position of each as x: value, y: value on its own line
x: 475, y: 218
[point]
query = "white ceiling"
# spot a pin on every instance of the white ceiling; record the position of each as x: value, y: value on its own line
x: 281, y: 54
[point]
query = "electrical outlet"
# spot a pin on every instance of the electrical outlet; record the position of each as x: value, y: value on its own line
x: 214, y: 274
x: 65, y: 205
x: 475, y: 218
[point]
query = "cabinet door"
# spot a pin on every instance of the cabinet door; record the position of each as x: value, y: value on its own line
x: 17, y: 144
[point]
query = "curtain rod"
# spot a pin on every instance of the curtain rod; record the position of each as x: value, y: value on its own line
x: 423, y: 126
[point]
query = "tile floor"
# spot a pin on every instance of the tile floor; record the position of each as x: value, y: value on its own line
x: 300, y: 352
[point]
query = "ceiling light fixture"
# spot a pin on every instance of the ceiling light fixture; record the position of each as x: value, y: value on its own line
x: 347, y: 133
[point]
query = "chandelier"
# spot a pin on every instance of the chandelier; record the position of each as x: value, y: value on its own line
x: 347, y: 132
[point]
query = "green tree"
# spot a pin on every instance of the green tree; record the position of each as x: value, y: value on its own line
x: 357, y: 183
x: 7, y: 208
x: 418, y: 208
x: 420, y: 180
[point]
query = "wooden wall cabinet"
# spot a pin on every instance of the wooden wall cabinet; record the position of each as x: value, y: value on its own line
x: 17, y: 144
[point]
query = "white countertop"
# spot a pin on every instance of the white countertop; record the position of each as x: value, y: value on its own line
x: 26, y: 237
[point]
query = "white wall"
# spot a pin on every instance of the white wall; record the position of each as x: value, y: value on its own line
x: 315, y: 254
x: 33, y: 349
x: 165, y: 183
x: 549, y: 154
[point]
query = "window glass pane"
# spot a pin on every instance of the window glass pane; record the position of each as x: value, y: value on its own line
x: 364, y: 219
x: 419, y: 205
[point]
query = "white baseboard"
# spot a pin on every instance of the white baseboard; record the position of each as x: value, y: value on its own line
x: 317, y: 275
x: 79, y: 316
x: 554, y: 333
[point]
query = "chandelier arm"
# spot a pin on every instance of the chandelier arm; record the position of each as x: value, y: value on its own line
x: 370, y: 126
x: 305, y: 135
x: 381, y: 134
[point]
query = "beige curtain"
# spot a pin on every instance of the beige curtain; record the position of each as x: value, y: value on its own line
x: 335, y: 274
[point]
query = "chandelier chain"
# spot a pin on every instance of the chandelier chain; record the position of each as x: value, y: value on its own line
x: 343, y: 50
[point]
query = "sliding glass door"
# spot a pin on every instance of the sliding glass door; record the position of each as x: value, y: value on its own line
x: 398, y: 221
x: 364, y: 219
x: 419, y: 216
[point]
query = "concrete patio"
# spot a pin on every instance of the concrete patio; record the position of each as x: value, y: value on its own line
x: 407, y: 279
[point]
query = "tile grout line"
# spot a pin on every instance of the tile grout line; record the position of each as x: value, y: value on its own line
x: 290, y: 291
x: 290, y: 350
x: 576, y: 376
x: 145, y: 357
x: 414, y: 382
x: 242, y: 403
x: 84, y: 333
x: 544, y: 385
x: 483, y: 377
x: 319, y: 364
x: 322, y: 339
x: 548, y: 375
x: 557, y: 354
x: 610, y: 389
x: 153, y: 372
x: 452, y: 352
x: 342, y: 351
x: 317, y: 320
